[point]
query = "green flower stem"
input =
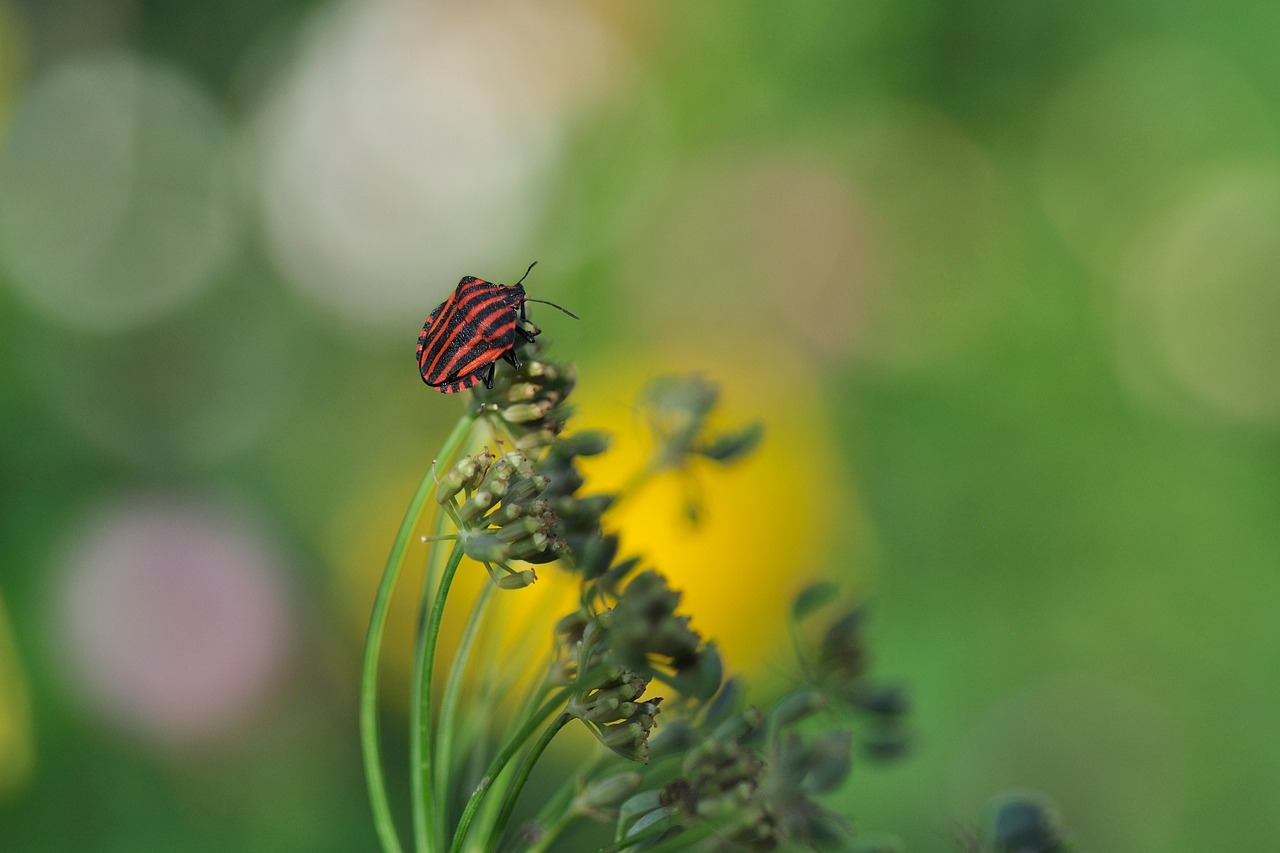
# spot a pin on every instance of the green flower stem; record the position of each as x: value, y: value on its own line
x: 550, y: 832
x: 445, y: 734
x: 421, y: 777
x: 679, y: 842
x: 431, y: 572
x: 369, y: 744
x: 522, y: 776
x: 556, y: 813
x: 499, y: 763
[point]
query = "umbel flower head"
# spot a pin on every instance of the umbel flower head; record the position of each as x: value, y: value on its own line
x: 501, y: 515
x: 580, y: 515
x: 609, y: 659
x: 757, y: 793
x: 529, y: 402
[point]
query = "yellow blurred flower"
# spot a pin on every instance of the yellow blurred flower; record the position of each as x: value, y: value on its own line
x: 766, y: 529
x: 767, y: 522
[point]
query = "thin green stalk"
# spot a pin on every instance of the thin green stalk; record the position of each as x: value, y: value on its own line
x: 680, y: 841
x: 426, y: 806
x: 550, y: 832
x: 369, y: 741
x: 498, y: 764
x: 431, y: 572
x: 556, y: 813
x: 522, y: 776
x: 445, y: 735
x: 374, y: 776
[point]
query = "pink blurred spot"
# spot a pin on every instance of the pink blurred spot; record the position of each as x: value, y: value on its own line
x: 173, y: 616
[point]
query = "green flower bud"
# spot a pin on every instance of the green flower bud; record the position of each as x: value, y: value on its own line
x: 812, y: 598
x: 491, y: 490
x: 451, y: 483
x: 519, y: 580
x: 828, y: 762
x: 740, y: 726
x: 522, y: 528
x: 628, y: 740
x: 842, y: 655
x: 601, y: 796
x: 701, y: 678
x: 520, y: 391
x: 654, y: 819
x: 525, y: 489
x: 586, y: 443
x: 572, y: 626
x: 1024, y: 823
x: 616, y: 574
x: 522, y: 413
x: 528, y: 545
x: 595, y: 554
x: 883, y: 700
x: 639, y: 804
x: 538, y: 548
x: 797, y: 705
x: 484, y: 548
x: 727, y: 701
x: 583, y: 513
x: 535, y: 440
x: 886, y: 740
x: 820, y: 830
x: 732, y: 446
x: 465, y: 474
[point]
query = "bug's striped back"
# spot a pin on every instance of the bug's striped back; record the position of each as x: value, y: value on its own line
x: 471, y: 330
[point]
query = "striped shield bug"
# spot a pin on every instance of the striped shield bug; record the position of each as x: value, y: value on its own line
x: 478, y: 324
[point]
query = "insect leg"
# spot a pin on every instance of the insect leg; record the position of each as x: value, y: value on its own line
x: 488, y: 377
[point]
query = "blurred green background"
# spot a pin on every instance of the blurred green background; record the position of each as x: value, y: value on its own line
x: 1001, y: 277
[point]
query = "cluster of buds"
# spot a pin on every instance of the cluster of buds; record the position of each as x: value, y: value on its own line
x: 500, y: 514
x: 612, y: 707
x: 760, y: 796
x: 610, y: 657
x: 530, y: 400
x: 580, y: 516
x: 842, y: 671
x: 646, y: 635
x: 607, y: 697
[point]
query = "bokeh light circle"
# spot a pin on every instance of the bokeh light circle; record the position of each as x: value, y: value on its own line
x: 1201, y: 302
x: 1133, y: 130
x: 173, y: 617
x: 114, y: 203
x: 756, y: 240
x: 407, y: 143
x: 191, y: 392
x: 945, y: 235
x: 900, y: 251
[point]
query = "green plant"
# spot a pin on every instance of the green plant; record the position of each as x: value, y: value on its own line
x: 719, y: 774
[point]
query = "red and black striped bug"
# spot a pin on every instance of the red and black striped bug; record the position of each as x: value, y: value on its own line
x: 465, y: 336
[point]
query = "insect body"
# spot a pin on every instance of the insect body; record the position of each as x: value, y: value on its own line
x: 465, y: 336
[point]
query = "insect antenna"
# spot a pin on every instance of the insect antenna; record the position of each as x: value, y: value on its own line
x: 553, y: 305
x: 526, y: 272
x: 543, y: 301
